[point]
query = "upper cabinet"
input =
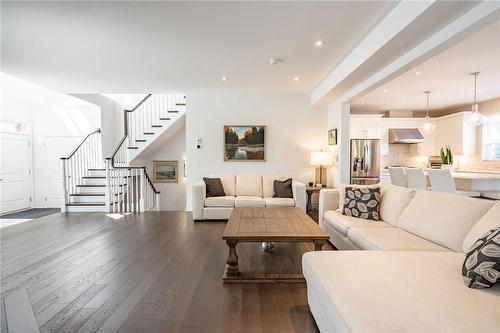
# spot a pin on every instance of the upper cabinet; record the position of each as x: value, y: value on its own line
x: 454, y: 131
x: 365, y: 126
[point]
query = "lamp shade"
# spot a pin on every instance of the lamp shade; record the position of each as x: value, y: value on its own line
x: 324, y: 158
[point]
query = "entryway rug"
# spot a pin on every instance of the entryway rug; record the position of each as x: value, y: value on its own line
x: 33, y: 213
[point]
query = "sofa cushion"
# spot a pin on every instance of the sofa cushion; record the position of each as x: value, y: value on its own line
x: 378, y: 291
x: 228, y: 182
x: 283, y: 188
x: 390, y: 239
x: 279, y: 202
x: 342, y: 223
x: 481, y: 267
x: 443, y: 218
x: 248, y: 185
x: 362, y: 202
x: 249, y: 201
x: 214, y: 187
x: 343, y: 187
x: 268, y: 185
x: 393, y: 200
x: 225, y: 201
x: 489, y: 221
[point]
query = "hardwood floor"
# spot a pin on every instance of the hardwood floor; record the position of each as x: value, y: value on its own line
x: 149, y: 272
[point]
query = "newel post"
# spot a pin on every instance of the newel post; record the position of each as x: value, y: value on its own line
x: 64, y: 186
x: 107, y: 192
x: 142, y: 184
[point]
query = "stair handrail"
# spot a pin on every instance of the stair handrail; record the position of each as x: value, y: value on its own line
x: 80, y: 144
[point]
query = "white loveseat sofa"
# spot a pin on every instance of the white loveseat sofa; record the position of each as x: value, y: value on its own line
x: 243, y: 191
x: 409, y: 278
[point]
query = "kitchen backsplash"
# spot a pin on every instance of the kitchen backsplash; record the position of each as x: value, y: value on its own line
x: 402, y: 155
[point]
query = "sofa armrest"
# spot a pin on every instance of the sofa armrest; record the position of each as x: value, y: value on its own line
x: 199, y: 194
x: 328, y: 200
x: 299, y: 195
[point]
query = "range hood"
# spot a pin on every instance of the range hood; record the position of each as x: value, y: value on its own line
x: 405, y: 135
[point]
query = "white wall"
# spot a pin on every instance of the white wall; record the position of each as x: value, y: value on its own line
x: 110, y: 123
x: 171, y: 147
x: 338, y: 117
x: 294, y: 129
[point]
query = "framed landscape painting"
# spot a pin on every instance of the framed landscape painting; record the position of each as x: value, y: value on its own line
x: 332, y: 137
x: 165, y: 171
x: 244, y: 143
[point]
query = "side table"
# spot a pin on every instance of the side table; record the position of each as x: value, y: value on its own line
x: 310, y: 190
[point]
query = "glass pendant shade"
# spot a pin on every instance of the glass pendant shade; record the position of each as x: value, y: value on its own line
x: 427, y: 127
x: 475, y: 118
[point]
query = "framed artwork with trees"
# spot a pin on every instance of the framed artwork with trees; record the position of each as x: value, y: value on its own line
x: 244, y: 143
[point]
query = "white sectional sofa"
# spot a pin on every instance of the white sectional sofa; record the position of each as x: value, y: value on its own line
x: 243, y: 191
x: 408, y: 279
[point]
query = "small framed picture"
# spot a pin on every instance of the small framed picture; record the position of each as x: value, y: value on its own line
x: 165, y: 171
x: 332, y: 137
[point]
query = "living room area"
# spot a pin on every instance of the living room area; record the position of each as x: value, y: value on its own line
x: 247, y: 166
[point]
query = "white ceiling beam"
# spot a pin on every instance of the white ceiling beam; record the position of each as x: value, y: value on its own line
x: 400, y: 17
x: 475, y: 19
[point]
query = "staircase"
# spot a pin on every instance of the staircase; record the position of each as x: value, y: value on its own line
x: 94, y: 184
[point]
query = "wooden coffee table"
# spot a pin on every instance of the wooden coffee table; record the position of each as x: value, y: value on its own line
x: 268, y: 225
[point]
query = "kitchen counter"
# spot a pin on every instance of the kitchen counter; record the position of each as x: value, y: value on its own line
x: 465, y: 180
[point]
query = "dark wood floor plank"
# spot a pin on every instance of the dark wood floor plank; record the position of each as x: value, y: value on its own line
x: 148, y: 272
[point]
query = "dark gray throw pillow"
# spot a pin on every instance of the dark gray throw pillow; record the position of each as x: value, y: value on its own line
x: 214, y: 187
x: 283, y: 189
x: 362, y: 202
x: 481, y: 267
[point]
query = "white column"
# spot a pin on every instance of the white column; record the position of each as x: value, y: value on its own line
x: 338, y: 117
x: 141, y: 192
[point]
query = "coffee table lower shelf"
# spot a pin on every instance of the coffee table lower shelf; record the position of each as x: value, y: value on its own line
x: 244, y: 277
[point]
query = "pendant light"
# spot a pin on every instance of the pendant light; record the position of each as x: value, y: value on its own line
x: 475, y: 118
x: 427, y: 127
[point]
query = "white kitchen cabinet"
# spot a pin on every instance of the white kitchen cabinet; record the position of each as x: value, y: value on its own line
x: 365, y: 126
x: 454, y: 131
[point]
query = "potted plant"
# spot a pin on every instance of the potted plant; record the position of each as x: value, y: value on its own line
x: 446, y: 157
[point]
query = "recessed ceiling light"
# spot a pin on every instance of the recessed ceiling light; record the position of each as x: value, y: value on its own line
x: 384, y: 91
x: 274, y: 61
x: 224, y: 78
x: 318, y: 43
x: 362, y: 102
x: 417, y: 73
x: 402, y: 101
x: 296, y: 79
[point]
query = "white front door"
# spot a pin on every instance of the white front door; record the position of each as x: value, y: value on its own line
x: 15, y: 162
x: 56, y: 147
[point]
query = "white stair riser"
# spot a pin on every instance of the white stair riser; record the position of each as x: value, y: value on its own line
x: 76, y: 209
x: 101, y: 190
x: 97, y: 173
x: 94, y: 181
x: 86, y: 199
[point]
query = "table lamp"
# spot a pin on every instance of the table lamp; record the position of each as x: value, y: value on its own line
x: 321, y: 159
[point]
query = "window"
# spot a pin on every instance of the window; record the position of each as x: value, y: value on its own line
x: 491, y: 138
x: 12, y: 127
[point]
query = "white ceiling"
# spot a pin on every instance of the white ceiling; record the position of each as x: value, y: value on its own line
x: 445, y: 75
x: 127, y: 47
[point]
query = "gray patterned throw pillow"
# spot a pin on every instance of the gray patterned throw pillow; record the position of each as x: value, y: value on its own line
x: 481, y: 267
x: 362, y: 202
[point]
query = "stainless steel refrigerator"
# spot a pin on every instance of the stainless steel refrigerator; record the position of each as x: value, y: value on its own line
x: 365, y: 161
